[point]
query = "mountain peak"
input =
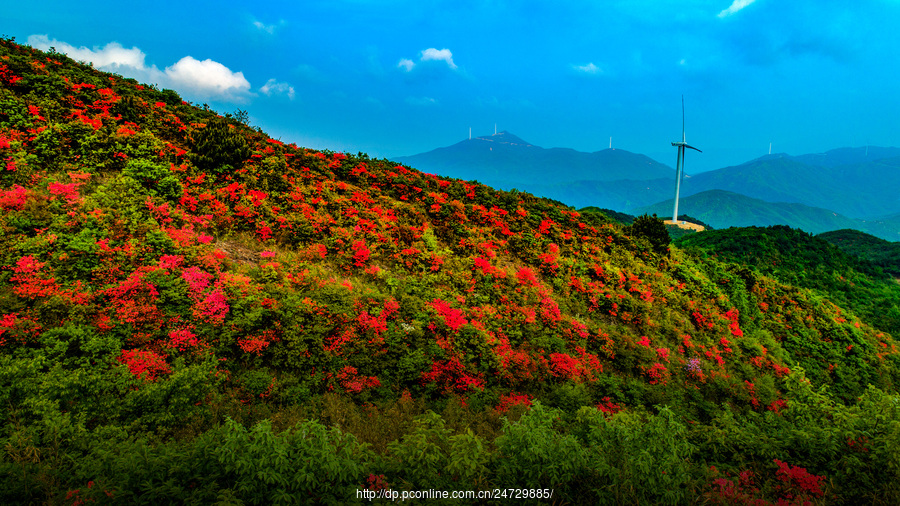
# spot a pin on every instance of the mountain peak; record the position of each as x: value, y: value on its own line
x: 504, y: 137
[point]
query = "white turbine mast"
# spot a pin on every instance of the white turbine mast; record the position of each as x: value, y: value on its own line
x: 679, y: 166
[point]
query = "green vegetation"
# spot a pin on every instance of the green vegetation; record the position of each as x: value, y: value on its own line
x: 884, y: 254
x: 797, y: 258
x: 306, y: 325
x: 651, y: 229
x: 620, y: 218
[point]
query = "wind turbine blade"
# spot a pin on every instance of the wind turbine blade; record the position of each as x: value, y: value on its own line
x: 692, y: 147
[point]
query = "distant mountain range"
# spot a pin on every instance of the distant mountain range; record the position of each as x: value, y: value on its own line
x: 863, y: 187
x: 723, y: 209
x: 855, y: 188
x: 504, y: 159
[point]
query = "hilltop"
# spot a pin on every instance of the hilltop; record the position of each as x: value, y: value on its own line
x: 882, y: 253
x: 193, y: 311
x: 507, y: 161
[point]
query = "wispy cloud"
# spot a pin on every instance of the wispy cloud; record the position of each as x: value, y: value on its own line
x: 590, y: 68
x: 406, y: 64
x: 203, y: 79
x: 270, y: 29
x: 735, y: 7
x: 420, y: 101
x: 273, y: 87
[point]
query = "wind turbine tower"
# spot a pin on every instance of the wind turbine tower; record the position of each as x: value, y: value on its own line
x: 679, y: 166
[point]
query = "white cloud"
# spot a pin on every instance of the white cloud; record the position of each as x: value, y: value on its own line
x: 274, y: 87
x: 439, y: 54
x: 735, y: 6
x: 430, y: 54
x: 590, y: 68
x: 110, y: 54
x: 203, y: 79
x: 208, y: 77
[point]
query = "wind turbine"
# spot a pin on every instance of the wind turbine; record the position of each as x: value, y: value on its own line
x: 679, y: 166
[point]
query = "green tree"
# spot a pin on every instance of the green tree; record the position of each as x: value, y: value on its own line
x: 653, y: 230
x: 220, y: 148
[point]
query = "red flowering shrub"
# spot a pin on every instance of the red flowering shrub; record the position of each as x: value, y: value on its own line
x: 256, y: 343
x: 361, y: 253
x: 453, y: 318
x: 550, y: 311
x: 146, y: 364
x: 487, y: 269
x: 13, y: 199
x: 526, y: 277
x: 658, y: 374
x: 798, y: 482
x: 512, y: 399
x: 608, y: 406
x: 68, y: 191
x: 182, y: 339
x: 353, y: 383
x: 451, y: 376
x: 563, y: 365
x: 732, y: 316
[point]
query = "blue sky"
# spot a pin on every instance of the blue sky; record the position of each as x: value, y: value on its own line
x: 396, y: 77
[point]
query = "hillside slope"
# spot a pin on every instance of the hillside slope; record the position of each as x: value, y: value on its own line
x: 884, y: 254
x: 800, y: 259
x: 192, y: 311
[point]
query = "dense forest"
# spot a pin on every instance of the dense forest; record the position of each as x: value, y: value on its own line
x: 194, y: 312
x: 884, y: 254
x: 797, y: 258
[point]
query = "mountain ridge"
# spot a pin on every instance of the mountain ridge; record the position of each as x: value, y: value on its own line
x: 853, y: 182
x: 506, y: 158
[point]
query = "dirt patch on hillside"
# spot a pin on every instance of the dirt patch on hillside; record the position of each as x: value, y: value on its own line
x: 685, y: 224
